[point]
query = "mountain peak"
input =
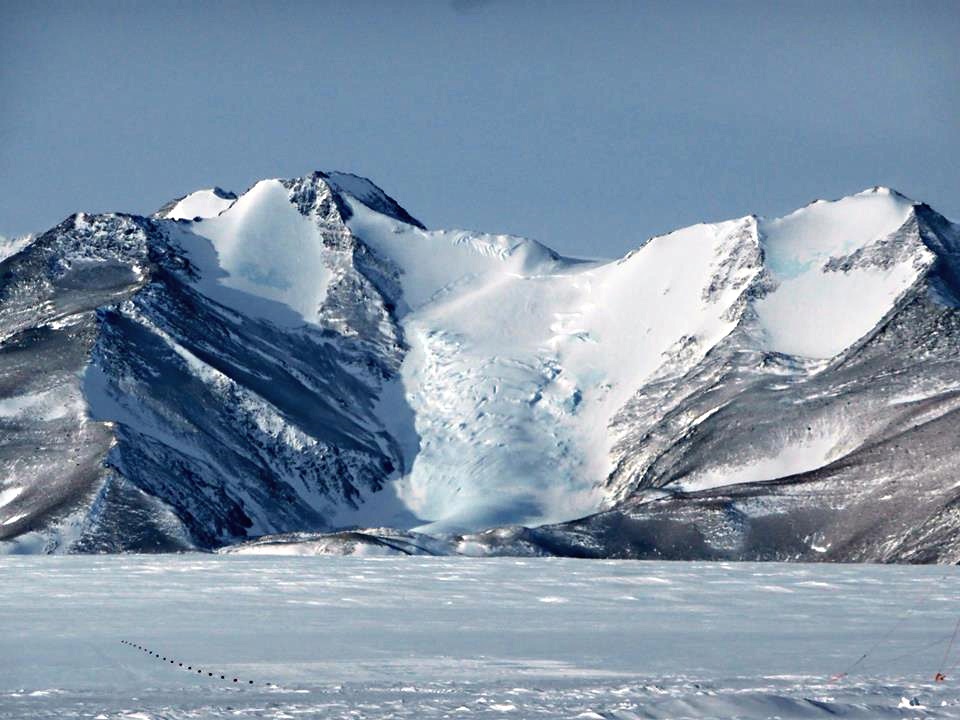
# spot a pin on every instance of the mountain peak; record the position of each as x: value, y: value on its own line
x: 329, y: 194
x: 883, y: 190
x: 224, y: 194
x: 208, y: 202
x: 368, y: 193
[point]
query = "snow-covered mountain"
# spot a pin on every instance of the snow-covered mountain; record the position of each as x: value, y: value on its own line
x: 308, y: 358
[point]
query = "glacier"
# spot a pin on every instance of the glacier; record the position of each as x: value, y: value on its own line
x: 306, y: 365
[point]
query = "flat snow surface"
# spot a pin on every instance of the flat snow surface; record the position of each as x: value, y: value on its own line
x: 463, y: 638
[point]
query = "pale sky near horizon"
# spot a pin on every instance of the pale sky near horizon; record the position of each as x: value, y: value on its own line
x: 589, y: 126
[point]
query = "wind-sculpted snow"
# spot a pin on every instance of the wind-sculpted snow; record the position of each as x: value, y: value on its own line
x: 265, y: 249
x: 837, y: 269
x: 307, y: 359
x: 391, y: 638
x: 199, y: 204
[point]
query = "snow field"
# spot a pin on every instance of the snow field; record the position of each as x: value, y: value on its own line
x: 453, y: 637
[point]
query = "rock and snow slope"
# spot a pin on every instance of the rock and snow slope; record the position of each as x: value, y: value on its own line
x: 308, y: 357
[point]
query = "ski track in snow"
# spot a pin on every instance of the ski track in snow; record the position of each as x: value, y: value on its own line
x: 456, y: 638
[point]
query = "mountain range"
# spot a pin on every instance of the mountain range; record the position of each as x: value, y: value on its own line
x: 306, y: 368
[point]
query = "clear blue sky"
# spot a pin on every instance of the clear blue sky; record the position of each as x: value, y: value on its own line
x: 589, y: 125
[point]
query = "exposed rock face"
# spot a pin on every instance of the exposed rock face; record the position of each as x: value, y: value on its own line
x: 307, y: 358
x: 153, y: 417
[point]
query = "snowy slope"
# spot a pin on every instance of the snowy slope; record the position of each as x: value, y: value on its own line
x: 199, y: 204
x: 519, y: 358
x: 11, y: 246
x: 265, y: 249
x: 506, y: 337
x: 309, y: 357
x: 828, y: 293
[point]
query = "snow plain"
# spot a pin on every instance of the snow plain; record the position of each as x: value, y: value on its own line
x: 465, y: 638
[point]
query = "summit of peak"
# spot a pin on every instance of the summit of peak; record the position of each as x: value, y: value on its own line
x: 223, y: 194
x: 205, y: 203
x: 369, y: 193
x: 340, y: 188
x: 883, y: 190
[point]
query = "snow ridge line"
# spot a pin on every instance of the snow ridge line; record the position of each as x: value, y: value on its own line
x: 165, y: 659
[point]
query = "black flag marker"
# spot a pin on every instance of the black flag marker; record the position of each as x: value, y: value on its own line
x: 172, y: 661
